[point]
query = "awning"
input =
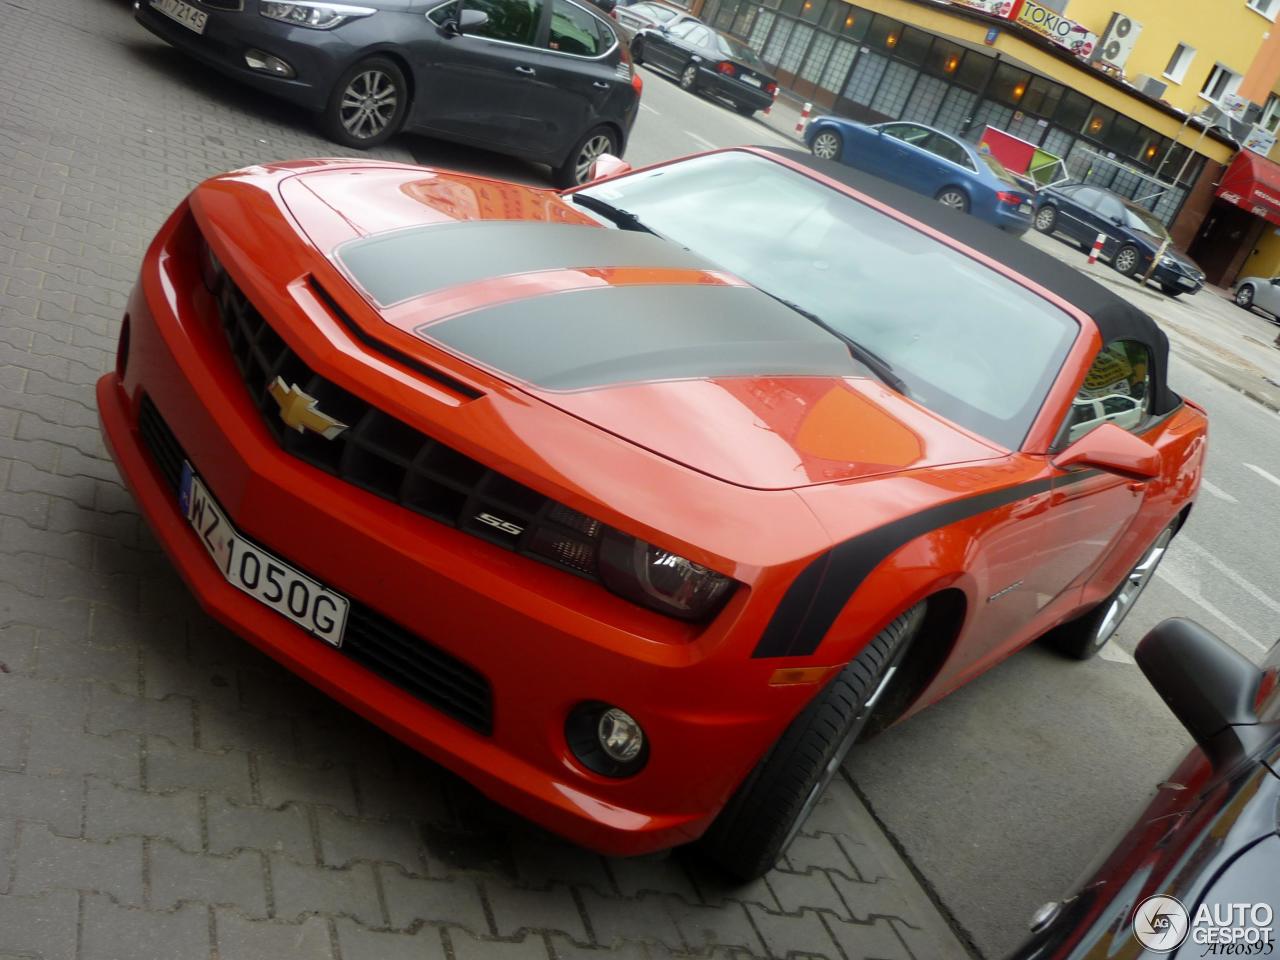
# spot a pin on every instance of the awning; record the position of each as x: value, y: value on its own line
x: 1253, y: 182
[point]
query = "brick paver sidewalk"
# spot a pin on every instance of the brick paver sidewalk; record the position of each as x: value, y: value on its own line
x: 165, y: 791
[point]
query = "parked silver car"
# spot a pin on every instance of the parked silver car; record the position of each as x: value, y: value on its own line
x: 1260, y: 292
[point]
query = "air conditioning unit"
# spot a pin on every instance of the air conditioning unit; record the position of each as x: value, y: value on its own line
x: 1150, y: 86
x: 1118, y: 42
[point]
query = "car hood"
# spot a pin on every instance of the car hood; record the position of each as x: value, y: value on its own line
x: 623, y: 330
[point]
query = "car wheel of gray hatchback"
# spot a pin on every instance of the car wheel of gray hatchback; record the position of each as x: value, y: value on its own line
x: 576, y: 169
x: 368, y: 104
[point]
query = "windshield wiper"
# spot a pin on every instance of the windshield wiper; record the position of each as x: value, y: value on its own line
x: 877, y: 364
x: 624, y: 219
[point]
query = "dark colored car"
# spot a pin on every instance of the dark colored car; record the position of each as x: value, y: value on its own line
x: 1133, y: 234
x: 542, y: 79
x: 1207, y: 844
x: 927, y: 161
x: 708, y: 62
x: 647, y: 13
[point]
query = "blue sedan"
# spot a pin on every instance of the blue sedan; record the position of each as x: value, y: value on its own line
x: 928, y: 161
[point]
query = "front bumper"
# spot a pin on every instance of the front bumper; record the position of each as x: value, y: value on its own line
x: 1010, y: 220
x: 1173, y: 277
x: 318, y: 57
x: 539, y: 637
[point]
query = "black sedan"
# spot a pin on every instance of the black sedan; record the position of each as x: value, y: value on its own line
x: 1133, y: 234
x: 708, y: 62
x: 542, y: 79
x: 1198, y: 874
x: 634, y: 17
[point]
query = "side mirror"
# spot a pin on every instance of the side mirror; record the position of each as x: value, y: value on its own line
x: 607, y: 165
x: 1210, y: 688
x: 468, y: 21
x: 1114, y: 450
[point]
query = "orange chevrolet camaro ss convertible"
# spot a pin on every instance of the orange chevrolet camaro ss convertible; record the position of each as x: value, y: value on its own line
x: 637, y: 505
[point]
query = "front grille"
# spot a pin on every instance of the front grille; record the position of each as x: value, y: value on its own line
x: 393, y: 460
x: 371, y: 640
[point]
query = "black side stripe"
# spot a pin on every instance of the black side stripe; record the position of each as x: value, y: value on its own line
x: 816, y: 597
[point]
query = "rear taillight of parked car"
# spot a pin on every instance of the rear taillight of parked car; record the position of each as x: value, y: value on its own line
x: 771, y: 89
x: 727, y: 68
x: 1012, y: 199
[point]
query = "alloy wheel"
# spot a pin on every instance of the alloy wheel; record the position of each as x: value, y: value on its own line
x: 826, y: 146
x: 689, y: 77
x: 368, y: 104
x: 1132, y: 588
x: 1126, y: 260
x: 1045, y: 219
x: 1244, y: 297
x: 591, y: 151
x: 953, y: 199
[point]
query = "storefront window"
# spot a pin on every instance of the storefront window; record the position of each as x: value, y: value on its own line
x: 884, y: 34
x: 1042, y: 97
x: 1073, y: 111
x: 790, y: 7
x: 914, y: 46
x: 1099, y: 123
x: 812, y: 10
x: 1009, y: 85
x: 1122, y: 137
x: 856, y: 22
x: 974, y: 70
x: 944, y: 58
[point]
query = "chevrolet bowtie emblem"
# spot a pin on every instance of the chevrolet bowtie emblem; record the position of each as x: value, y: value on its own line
x: 298, y: 410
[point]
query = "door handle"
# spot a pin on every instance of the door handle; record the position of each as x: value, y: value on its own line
x: 527, y: 71
x: 600, y: 84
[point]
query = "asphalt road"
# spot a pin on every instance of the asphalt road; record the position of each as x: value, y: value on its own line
x: 1004, y: 793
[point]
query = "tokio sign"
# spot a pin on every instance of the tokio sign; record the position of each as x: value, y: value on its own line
x: 1065, y: 33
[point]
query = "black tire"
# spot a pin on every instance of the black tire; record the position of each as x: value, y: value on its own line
x: 744, y: 109
x: 637, y: 51
x: 1083, y: 637
x: 1244, y: 297
x: 576, y: 167
x: 689, y: 77
x: 340, y: 120
x: 827, y: 145
x: 953, y: 197
x: 1127, y: 260
x: 1046, y: 220
x: 771, y: 805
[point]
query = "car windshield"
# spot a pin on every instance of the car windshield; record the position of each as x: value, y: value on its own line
x: 1140, y: 219
x: 738, y: 51
x: 968, y: 343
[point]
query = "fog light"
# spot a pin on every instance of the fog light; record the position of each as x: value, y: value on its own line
x: 257, y: 60
x: 606, y: 739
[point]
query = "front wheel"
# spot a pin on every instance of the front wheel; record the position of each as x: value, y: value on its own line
x: 1126, y: 261
x: 367, y: 105
x: 1084, y: 636
x: 576, y: 169
x: 1046, y: 219
x: 827, y: 145
x: 766, y: 812
x: 1244, y: 297
x: 954, y: 198
x: 689, y: 77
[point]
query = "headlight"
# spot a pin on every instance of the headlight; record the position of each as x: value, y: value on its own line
x: 659, y: 579
x: 320, y: 16
x: 1168, y: 262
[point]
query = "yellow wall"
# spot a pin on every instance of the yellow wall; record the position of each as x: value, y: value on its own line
x: 1221, y: 31
x: 1265, y: 262
x: 937, y: 19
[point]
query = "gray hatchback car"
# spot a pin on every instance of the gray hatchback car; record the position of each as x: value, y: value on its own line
x: 543, y: 79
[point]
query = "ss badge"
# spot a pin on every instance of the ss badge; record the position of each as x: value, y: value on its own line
x: 499, y: 524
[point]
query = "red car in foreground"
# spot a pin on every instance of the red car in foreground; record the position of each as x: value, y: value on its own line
x: 637, y: 505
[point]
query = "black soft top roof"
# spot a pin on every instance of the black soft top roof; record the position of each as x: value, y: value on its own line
x: 1116, y: 318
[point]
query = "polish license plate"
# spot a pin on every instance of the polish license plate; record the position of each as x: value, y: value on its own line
x: 1024, y: 208
x: 265, y: 577
x: 751, y: 80
x: 184, y: 13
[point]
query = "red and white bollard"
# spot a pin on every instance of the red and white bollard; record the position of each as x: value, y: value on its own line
x: 804, y: 118
x: 1097, y: 247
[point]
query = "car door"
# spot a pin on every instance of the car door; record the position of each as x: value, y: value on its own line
x: 952, y: 165
x: 665, y: 47
x: 1089, y: 218
x: 1268, y: 297
x: 476, y: 86
x: 900, y: 156
x: 1112, y: 222
x: 1071, y: 211
x: 574, y: 77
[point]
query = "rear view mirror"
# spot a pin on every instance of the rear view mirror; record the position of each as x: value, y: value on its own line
x: 607, y: 165
x: 1113, y: 450
x: 1210, y: 688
